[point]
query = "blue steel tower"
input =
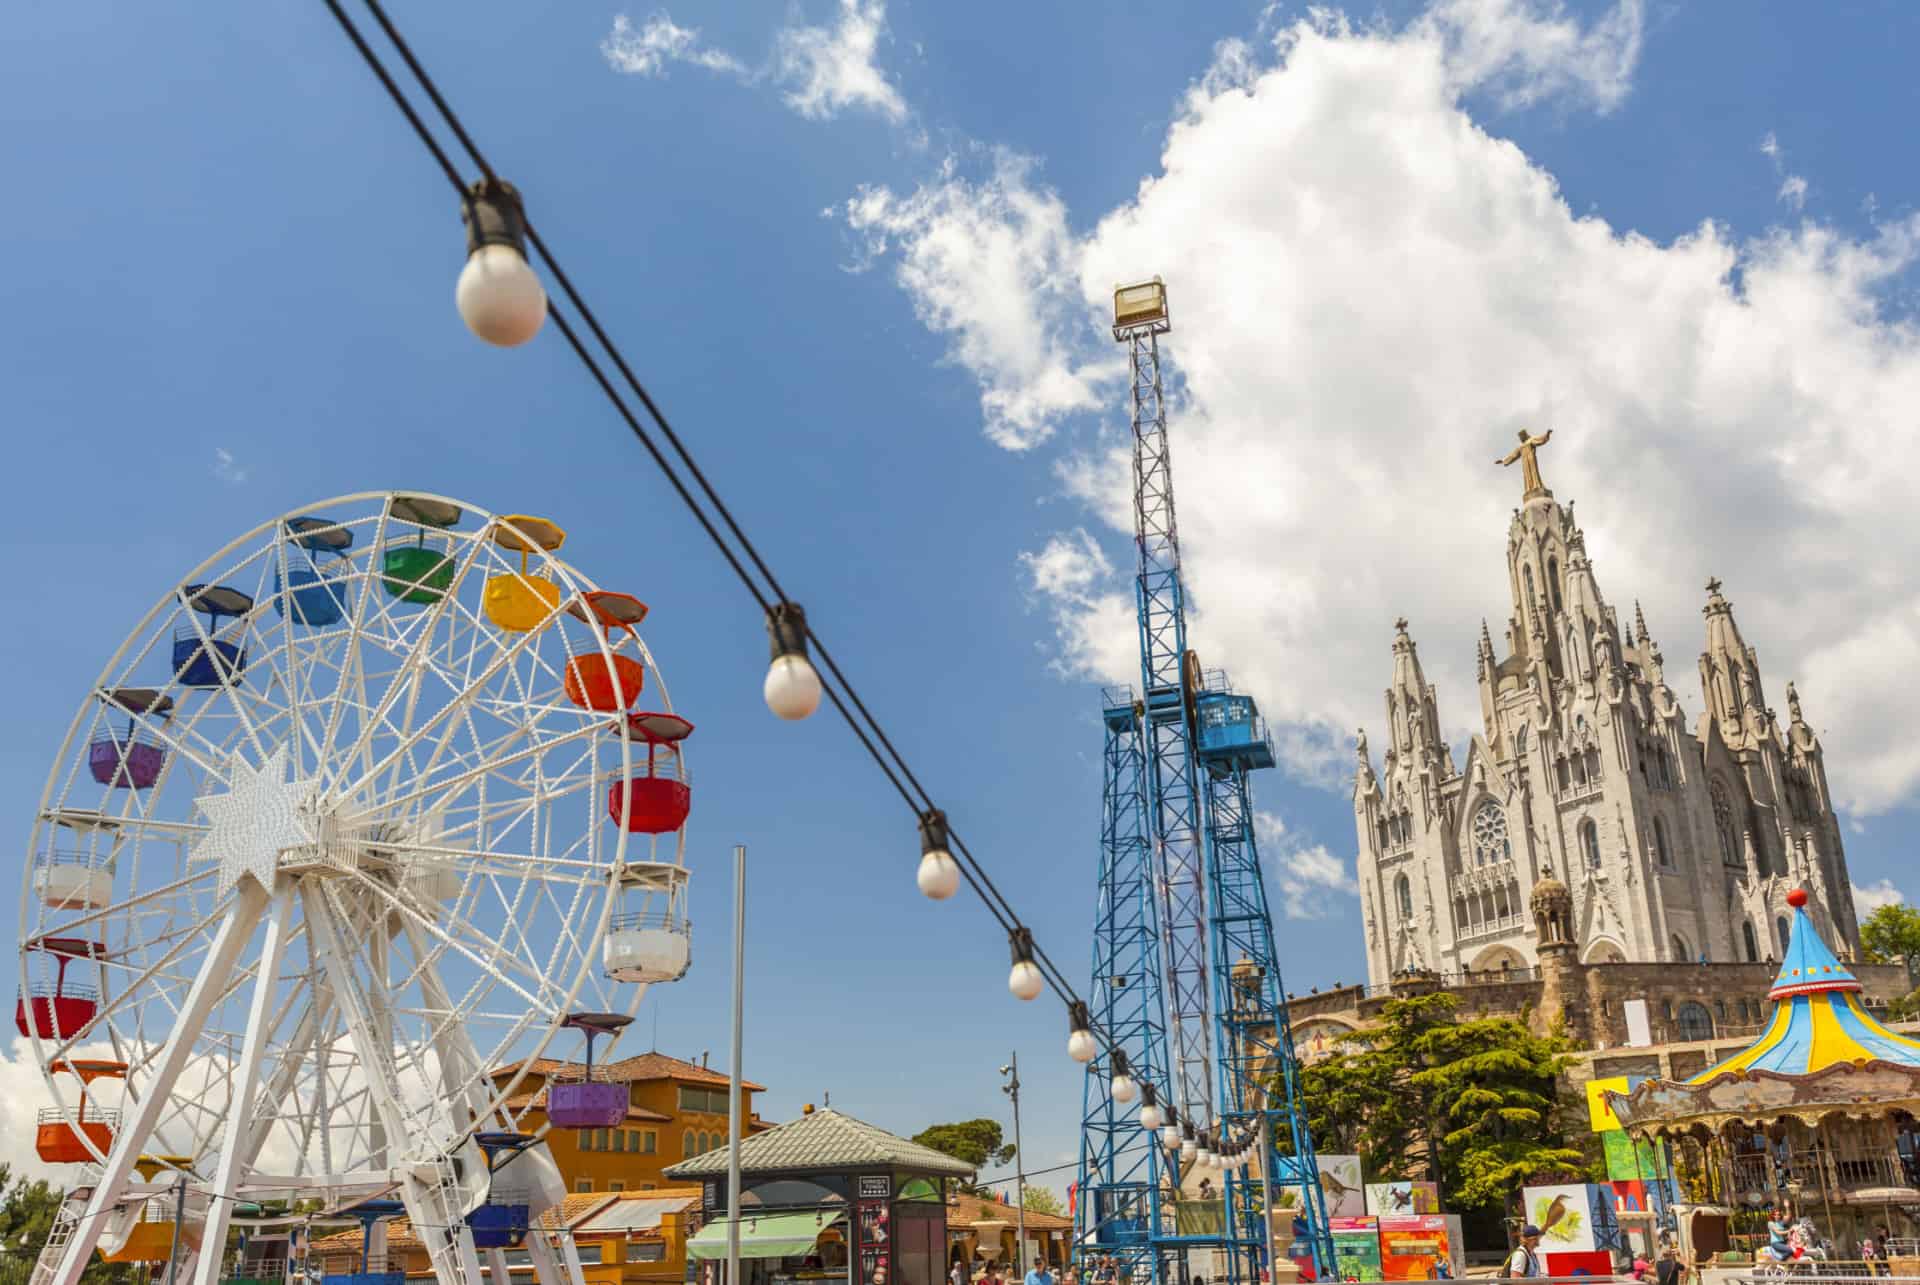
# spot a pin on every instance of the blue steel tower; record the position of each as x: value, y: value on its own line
x: 1185, y: 980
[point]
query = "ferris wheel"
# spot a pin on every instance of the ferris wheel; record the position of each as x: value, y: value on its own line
x: 370, y: 805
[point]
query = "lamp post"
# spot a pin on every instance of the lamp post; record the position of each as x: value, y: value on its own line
x: 1012, y: 1089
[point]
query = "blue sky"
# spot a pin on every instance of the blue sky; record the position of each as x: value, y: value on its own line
x: 855, y: 276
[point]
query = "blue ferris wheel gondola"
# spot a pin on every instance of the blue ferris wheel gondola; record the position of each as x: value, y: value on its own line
x: 313, y: 592
x: 203, y: 658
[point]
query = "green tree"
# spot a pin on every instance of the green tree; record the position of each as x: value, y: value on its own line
x: 27, y: 1209
x: 1467, y: 1104
x: 977, y: 1142
x: 1891, y: 934
x: 1042, y: 1200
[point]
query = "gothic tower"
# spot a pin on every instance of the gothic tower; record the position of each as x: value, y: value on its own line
x: 1671, y: 843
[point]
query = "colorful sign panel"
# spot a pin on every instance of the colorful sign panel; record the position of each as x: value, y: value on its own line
x: 1594, y: 1262
x: 1412, y: 1248
x: 1564, y: 1216
x: 1340, y: 1182
x: 1398, y: 1199
x: 1628, y: 1161
x: 1356, y: 1248
x: 1600, y: 1114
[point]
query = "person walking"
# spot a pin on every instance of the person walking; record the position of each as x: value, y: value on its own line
x: 958, y: 1276
x: 1040, y: 1275
x: 1523, y: 1263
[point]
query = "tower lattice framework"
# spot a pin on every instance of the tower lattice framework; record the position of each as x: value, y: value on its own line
x: 1185, y: 977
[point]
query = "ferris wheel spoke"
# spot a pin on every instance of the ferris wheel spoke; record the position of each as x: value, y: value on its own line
x: 488, y: 767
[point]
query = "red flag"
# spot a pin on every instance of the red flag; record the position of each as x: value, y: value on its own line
x: 1073, y: 1197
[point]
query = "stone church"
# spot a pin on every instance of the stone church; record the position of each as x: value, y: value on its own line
x: 1677, y: 843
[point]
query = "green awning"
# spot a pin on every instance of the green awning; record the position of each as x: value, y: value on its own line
x: 764, y: 1235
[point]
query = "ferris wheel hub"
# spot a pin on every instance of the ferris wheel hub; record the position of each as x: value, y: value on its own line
x: 258, y: 817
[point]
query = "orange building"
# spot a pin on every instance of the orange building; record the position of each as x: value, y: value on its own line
x: 675, y: 1110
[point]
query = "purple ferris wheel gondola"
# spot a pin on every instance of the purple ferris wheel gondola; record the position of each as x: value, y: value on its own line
x: 134, y: 761
x: 588, y: 1103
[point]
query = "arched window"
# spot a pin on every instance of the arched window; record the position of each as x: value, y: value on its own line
x: 1527, y: 573
x: 1579, y: 767
x: 1590, y: 843
x: 1784, y: 932
x: 1662, y: 850
x: 1693, y: 1021
x: 1553, y: 582
x: 1752, y: 942
x: 1382, y: 828
x: 1681, y: 954
x: 1403, y: 889
x: 1723, y: 824
x: 1490, y: 843
x: 686, y: 1144
x: 1560, y: 773
x: 1460, y: 914
x: 1520, y: 740
x: 1593, y: 765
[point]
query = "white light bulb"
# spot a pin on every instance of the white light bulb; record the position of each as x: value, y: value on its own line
x: 1081, y: 1047
x: 1149, y: 1117
x: 939, y: 874
x: 1189, y: 1149
x: 1025, y: 980
x: 792, y: 688
x: 1123, y: 1088
x: 1170, y: 1137
x: 499, y: 296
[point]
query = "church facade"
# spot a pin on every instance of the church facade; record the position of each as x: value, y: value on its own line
x: 1677, y: 842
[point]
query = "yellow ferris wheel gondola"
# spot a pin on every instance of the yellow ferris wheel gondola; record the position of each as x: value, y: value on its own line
x: 521, y: 601
x: 144, y: 1232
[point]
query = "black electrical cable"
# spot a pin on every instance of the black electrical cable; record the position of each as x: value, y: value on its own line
x: 894, y: 770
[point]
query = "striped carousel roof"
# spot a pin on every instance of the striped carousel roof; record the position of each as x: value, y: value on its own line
x: 1817, y: 1018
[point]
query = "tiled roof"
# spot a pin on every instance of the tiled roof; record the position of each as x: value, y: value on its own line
x: 400, y: 1237
x: 823, y: 1140
x: 635, y: 1211
x: 538, y: 1102
x: 628, y: 1070
x: 964, y: 1211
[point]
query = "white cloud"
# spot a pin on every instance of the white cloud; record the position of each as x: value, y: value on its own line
x: 1870, y: 897
x: 647, y: 50
x: 993, y: 265
x: 1370, y: 293
x: 226, y: 468
x: 1093, y: 621
x: 1793, y: 188
x: 1793, y: 191
x: 1526, y: 51
x: 828, y: 69
x: 1310, y: 880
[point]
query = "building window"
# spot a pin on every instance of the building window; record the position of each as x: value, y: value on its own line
x: 648, y: 1141
x: 618, y: 1185
x: 1403, y: 892
x: 1694, y: 1022
x: 1783, y: 932
x: 1527, y: 574
x: 1752, y: 942
x: 1560, y: 773
x: 1681, y: 954
x: 1666, y: 1005
x: 708, y: 1101
x: 1720, y: 1008
x: 1723, y: 825
x: 1490, y: 843
x: 584, y: 1186
x: 1661, y: 849
x: 686, y: 1143
x: 1553, y: 582
x: 1590, y: 843
x: 646, y: 1251
x: 1593, y: 765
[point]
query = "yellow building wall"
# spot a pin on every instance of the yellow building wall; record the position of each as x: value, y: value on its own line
x: 595, y: 1160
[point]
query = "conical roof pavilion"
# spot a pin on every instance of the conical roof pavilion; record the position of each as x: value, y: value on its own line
x: 1820, y: 1051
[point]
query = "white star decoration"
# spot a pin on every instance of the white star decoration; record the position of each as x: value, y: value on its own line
x: 256, y: 820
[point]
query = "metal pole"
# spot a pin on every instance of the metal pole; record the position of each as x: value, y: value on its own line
x: 179, y: 1214
x: 733, y: 1086
x: 1019, y: 1169
x: 1266, y: 1190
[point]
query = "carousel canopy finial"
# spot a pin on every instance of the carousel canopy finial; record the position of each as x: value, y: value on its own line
x: 1809, y: 966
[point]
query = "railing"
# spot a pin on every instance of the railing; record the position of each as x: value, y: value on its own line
x: 1493, y: 927
x: 1451, y: 981
x: 638, y: 919
x: 1813, y: 1169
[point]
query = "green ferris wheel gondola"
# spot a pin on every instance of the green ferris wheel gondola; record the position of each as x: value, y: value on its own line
x: 418, y: 573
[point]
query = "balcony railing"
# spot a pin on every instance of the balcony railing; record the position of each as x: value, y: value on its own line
x: 1821, y: 1169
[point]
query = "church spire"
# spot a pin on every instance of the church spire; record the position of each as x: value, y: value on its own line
x: 1730, y: 675
x: 1641, y: 636
x: 1410, y: 703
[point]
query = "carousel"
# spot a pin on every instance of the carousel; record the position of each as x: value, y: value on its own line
x: 1817, y: 1117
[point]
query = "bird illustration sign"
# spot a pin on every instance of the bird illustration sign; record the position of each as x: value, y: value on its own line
x: 1564, y: 1215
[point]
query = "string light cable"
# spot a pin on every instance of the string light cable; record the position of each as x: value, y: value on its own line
x: 497, y: 220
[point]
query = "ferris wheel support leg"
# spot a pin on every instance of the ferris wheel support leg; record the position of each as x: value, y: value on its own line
x: 497, y: 1261
x: 547, y: 1266
x: 250, y: 900
x: 246, y: 1087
